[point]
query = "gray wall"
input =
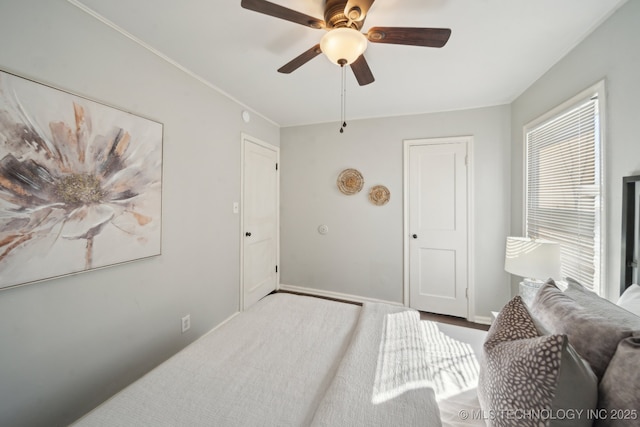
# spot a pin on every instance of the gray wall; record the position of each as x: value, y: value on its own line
x: 612, y: 53
x: 67, y: 344
x: 363, y: 252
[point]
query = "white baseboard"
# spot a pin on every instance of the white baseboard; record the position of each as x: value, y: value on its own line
x: 219, y: 325
x: 333, y: 295
x: 483, y: 320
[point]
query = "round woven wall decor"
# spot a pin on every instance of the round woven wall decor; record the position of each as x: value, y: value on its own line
x: 379, y: 195
x: 350, y: 181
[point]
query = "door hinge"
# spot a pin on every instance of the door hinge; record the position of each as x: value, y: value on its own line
x: 466, y: 292
x: 276, y: 166
x: 276, y: 268
x: 466, y: 160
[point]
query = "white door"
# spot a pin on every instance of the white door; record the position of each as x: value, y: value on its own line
x: 437, y: 225
x: 259, y: 220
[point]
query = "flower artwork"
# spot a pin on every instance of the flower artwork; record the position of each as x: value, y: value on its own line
x: 80, y: 183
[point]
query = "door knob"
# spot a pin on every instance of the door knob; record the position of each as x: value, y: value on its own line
x: 415, y: 236
x: 248, y: 234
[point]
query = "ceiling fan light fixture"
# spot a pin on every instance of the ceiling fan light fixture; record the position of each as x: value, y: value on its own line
x: 343, y: 45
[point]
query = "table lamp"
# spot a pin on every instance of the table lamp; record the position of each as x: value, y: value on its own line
x: 533, y: 260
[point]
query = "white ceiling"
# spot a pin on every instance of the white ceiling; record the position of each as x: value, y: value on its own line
x: 496, y: 50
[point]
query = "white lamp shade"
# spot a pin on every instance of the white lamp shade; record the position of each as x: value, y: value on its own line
x: 343, y: 44
x: 535, y: 259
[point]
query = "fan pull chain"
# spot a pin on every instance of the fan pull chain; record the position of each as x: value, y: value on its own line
x: 343, y: 97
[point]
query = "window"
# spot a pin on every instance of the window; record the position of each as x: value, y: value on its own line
x: 563, y: 179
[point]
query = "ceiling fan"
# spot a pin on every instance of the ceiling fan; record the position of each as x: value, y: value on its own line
x: 344, y: 44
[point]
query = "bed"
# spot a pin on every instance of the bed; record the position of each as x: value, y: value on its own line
x: 294, y: 360
x: 290, y: 360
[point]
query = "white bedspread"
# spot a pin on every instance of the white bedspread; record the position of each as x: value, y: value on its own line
x: 415, y: 354
x: 348, y: 401
x: 268, y: 366
x: 287, y: 361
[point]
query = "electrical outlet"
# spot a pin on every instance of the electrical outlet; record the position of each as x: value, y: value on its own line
x: 186, y: 323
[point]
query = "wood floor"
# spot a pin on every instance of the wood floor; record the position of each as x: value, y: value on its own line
x: 451, y: 320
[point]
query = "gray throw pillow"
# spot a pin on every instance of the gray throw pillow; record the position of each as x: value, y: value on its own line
x: 601, y: 306
x: 525, y: 378
x: 593, y: 336
x: 619, y: 399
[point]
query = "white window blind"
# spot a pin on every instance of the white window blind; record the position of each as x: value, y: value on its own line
x: 563, y: 187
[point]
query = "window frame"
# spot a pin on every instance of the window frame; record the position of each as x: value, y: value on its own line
x: 599, y: 90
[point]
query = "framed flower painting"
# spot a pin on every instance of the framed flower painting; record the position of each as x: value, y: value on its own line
x: 80, y: 183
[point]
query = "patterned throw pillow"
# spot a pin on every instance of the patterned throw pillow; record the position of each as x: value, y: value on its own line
x: 594, y: 334
x: 527, y: 379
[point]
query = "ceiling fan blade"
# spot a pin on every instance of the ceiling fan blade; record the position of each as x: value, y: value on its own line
x: 356, y: 10
x: 282, y: 12
x: 362, y: 71
x: 299, y: 61
x: 429, y: 37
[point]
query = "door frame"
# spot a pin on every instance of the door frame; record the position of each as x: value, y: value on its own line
x: 244, y: 140
x: 407, y: 144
